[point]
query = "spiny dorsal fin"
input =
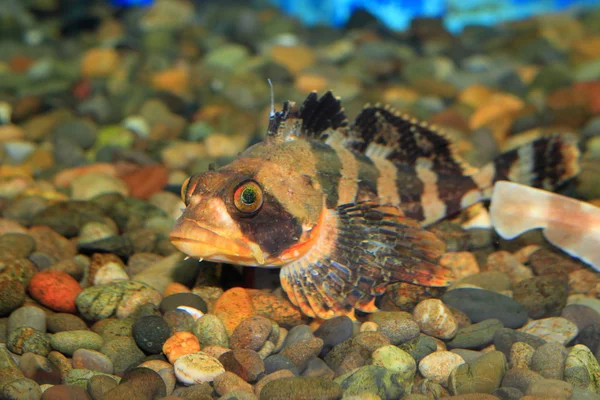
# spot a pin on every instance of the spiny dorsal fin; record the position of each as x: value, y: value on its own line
x: 311, y: 121
x: 404, y: 140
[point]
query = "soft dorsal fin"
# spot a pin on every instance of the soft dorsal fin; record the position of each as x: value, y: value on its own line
x: 381, y: 131
x: 310, y: 121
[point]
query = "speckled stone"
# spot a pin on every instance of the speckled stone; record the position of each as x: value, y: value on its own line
x: 334, y: 331
x: 59, y: 322
x: 482, y: 375
x: 123, y: 352
x: 197, y: 368
x: 504, y: 339
x: 302, y: 351
x: 398, y: 327
x: 245, y: 363
x: 435, y: 319
x: 68, y: 341
x: 373, y: 379
x: 553, y: 328
x: 582, y: 369
x: 548, y: 360
x: 251, y: 333
x: 28, y: 340
x: 438, y: 366
x: 301, y: 388
x: 521, y: 355
x: 150, y: 333
x: 210, y: 331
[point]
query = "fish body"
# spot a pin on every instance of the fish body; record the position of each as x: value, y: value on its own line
x: 341, y: 207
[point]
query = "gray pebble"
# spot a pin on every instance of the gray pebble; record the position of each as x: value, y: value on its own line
x: 32, y: 317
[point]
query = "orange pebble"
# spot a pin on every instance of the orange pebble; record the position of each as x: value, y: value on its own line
x: 179, y: 344
x: 175, y: 287
x: 234, y: 306
x: 56, y: 290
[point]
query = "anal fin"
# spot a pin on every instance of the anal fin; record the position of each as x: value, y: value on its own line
x: 362, y: 248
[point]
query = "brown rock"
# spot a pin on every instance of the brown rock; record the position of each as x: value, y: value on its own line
x: 246, y: 364
x: 251, y: 333
x: 146, y: 181
x: 302, y: 351
x: 99, y: 62
x: 234, y: 306
x: 228, y: 381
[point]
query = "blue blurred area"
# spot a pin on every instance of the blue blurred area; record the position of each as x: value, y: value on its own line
x: 397, y: 14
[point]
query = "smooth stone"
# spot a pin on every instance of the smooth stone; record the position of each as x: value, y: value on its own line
x: 316, y: 367
x: 81, y: 377
x: 480, y: 305
x: 398, y: 327
x: 302, y: 351
x: 435, y: 319
x: 123, y: 352
x: 21, y: 389
x: 548, y: 360
x: 373, y: 379
x: 334, y: 331
x: 150, y: 333
x: 297, y: 333
x: 197, y: 368
x: 520, y: 378
x: 9, y: 369
x: 93, y: 360
x: 482, y: 375
x: 32, y: 317
x: 171, y: 302
x: 504, y: 339
x: 396, y: 360
x: 245, y: 363
x: 550, y: 389
x: 165, y: 370
x: 68, y: 341
x: 251, y: 333
x: 468, y: 355
x: 552, y: 329
x: 13, y: 296
x: 301, y: 388
x: 210, y: 331
x: 590, y: 337
x: 278, y: 362
x: 142, y: 383
x: 582, y: 394
x: 99, y: 385
x: 582, y: 369
x: 476, y: 336
x: 60, y: 322
x: 419, y: 347
x: 40, y: 369
x: 228, y: 382
x: 581, y: 315
x: 507, y: 393
x: 438, y: 366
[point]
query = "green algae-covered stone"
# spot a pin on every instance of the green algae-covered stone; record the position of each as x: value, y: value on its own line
x: 81, y: 377
x: 69, y: 341
x: 397, y: 361
x: 210, y: 331
x: 582, y: 369
x: 28, y: 340
x: 373, y: 379
x: 476, y: 336
x: 301, y: 388
x: 482, y: 375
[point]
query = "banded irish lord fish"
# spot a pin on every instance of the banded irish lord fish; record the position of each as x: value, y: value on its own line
x: 341, y: 207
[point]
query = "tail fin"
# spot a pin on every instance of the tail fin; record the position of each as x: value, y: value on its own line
x: 544, y: 163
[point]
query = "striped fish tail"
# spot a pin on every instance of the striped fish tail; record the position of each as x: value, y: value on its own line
x: 544, y: 163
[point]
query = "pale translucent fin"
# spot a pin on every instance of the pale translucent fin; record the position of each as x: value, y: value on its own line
x: 569, y: 224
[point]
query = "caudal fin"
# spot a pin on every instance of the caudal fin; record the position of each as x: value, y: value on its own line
x: 544, y: 163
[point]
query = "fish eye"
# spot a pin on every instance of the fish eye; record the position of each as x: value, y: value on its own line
x: 184, y: 189
x: 248, y: 197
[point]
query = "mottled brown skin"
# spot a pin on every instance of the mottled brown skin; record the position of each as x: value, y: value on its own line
x: 343, y: 205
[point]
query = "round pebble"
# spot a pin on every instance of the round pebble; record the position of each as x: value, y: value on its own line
x: 251, y: 333
x: 179, y: 344
x: 210, y: 331
x: 13, y: 296
x: 197, y: 368
x: 150, y: 333
x: 554, y: 328
x: 55, y: 289
x: 68, y: 341
x: 27, y: 316
x: 438, y: 366
x: 173, y: 301
x: 435, y: 319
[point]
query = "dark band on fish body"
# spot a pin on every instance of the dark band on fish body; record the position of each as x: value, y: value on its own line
x: 410, y: 189
x: 367, y: 175
x: 273, y: 228
x: 453, y: 190
x: 328, y: 168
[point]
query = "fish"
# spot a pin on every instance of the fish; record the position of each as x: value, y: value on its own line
x: 569, y: 224
x: 342, y: 208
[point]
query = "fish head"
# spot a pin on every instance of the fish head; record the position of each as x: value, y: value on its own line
x: 253, y: 212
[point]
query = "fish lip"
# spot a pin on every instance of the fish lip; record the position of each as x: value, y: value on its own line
x: 200, y: 242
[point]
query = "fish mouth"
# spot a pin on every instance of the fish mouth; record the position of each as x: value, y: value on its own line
x: 200, y: 242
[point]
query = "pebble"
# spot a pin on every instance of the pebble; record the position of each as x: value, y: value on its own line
x: 302, y: 351
x: 27, y: 316
x: 278, y: 362
x: 210, y: 331
x: 197, y: 368
x: 396, y: 360
x: 399, y: 327
x: 100, y: 385
x: 123, y: 352
x: 28, y: 340
x: 481, y: 304
x: 60, y: 322
x: 542, y: 296
x: 476, y: 336
x: 165, y: 371
x: 437, y: 366
x: 228, y: 382
x: 582, y: 369
x: 69, y: 341
x: 13, y: 296
x: 521, y: 355
x: 334, y: 331
x: 234, y: 306
x: 581, y: 315
x: 116, y: 298
x: 246, y: 364
x: 251, y: 333
x: 285, y: 388
x: 373, y: 379
x: 550, y: 389
x: 276, y: 308
x: 70, y: 392
x: 150, y: 333
x: 56, y: 290
x: 554, y: 328
x: 419, y: 347
x: 92, y: 359
x: 520, y: 378
x: 482, y: 375
x: 494, y: 281
x: 179, y: 344
x: 39, y: 369
x: 139, y: 383
x: 505, y: 338
x: 435, y: 319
